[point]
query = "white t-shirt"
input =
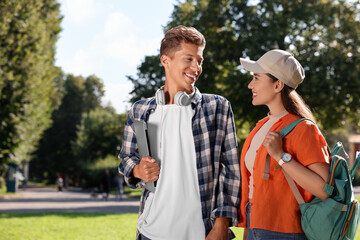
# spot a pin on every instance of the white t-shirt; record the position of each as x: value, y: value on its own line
x: 256, y: 142
x: 174, y: 210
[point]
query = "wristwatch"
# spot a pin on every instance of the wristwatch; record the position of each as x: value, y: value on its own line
x: 285, y: 158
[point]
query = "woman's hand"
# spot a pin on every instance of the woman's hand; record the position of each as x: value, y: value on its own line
x: 273, y: 144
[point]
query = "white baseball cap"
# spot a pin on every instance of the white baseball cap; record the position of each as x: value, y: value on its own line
x: 280, y: 64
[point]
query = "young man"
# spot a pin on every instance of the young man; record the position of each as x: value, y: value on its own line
x: 194, y: 155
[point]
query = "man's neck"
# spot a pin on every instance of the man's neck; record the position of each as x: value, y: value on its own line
x: 171, y: 90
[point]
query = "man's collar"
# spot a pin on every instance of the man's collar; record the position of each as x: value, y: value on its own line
x: 197, y: 97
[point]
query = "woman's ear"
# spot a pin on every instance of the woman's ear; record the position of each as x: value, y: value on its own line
x: 279, y: 85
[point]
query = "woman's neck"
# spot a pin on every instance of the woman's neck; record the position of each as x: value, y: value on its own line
x: 276, y: 109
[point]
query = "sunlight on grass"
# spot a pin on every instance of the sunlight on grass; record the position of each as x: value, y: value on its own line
x: 67, y: 226
x: 75, y: 226
x: 4, y: 193
x: 132, y: 192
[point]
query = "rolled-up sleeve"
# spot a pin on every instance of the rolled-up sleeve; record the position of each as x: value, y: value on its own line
x: 129, y: 153
x: 228, y: 199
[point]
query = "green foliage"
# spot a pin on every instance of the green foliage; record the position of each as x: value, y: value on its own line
x: 150, y: 77
x: 2, y: 183
x: 98, y: 134
x: 28, y: 33
x: 323, y: 35
x: 97, y: 144
x: 109, y: 162
x: 92, y: 172
x: 54, y: 155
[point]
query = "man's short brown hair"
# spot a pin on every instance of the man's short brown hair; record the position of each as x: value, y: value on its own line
x: 175, y: 36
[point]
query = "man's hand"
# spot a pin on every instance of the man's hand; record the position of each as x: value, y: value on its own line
x: 220, y: 230
x: 148, y: 170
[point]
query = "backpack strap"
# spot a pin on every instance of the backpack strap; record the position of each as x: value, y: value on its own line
x: 283, y: 132
x: 286, y: 130
x: 294, y: 188
x: 355, y: 165
x: 329, y: 187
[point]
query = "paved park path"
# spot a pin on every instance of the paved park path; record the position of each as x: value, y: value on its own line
x: 45, y: 199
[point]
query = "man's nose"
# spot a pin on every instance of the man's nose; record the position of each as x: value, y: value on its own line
x: 196, y: 66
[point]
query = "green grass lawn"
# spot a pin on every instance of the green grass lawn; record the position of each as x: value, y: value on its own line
x: 132, y: 192
x: 74, y: 226
x: 4, y: 193
x: 67, y: 226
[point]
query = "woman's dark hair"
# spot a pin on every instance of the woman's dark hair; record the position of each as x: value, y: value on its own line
x: 293, y: 102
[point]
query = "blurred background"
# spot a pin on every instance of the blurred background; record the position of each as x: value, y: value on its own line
x: 70, y: 70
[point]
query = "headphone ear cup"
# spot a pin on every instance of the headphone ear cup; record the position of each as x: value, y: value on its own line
x: 182, y: 99
x: 160, y: 97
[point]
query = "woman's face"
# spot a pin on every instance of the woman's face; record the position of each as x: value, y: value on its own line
x: 263, y: 89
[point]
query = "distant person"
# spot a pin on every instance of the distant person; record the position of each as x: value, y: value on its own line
x: 24, y: 183
x: 66, y: 180
x: 106, y: 184
x: 60, y: 183
x: 20, y: 177
x: 193, y: 137
x: 119, y: 180
x: 268, y: 208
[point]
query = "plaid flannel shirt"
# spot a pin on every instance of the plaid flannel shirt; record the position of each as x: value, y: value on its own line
x: 217, y: 158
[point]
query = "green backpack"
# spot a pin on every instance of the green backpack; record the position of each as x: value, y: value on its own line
x: 337, y: 217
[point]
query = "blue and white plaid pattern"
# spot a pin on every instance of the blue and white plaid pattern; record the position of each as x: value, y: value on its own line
x: 217, y: 158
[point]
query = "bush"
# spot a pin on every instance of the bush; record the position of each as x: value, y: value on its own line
x: 2, y: 182
x: 92, y: 173
x: 356, y: 181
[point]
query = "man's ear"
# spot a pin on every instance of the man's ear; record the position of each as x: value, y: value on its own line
x: 164, y: 60
x: 279, y: 85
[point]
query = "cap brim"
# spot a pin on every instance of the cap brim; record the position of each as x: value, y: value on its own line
x: 251, y: 66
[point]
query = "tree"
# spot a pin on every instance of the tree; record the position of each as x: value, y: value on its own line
x: 98, y: 135
x: 150, y: 77
x: 97, y: 143
x: 323, y: 35
x: 54, y: 154
x: 28, y: 76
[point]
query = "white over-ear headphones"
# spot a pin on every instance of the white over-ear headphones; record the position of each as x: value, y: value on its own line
x: 181, y: 98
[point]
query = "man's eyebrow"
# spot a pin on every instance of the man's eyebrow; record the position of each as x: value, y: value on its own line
x: 191, y: 55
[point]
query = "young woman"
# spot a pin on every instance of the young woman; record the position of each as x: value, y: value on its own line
x: 268, y: 208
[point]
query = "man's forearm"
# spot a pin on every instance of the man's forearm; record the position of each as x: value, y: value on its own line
x: 222, y: 222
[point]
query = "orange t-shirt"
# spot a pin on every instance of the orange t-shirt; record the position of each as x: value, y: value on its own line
x: 274, y: 206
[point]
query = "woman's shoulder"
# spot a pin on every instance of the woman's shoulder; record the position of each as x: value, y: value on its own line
x: 306, y: 131
x: 304, y: 123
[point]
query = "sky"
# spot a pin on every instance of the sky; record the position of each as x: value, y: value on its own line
x: 110, y: 38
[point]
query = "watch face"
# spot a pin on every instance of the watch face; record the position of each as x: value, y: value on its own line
x: 286, y: 157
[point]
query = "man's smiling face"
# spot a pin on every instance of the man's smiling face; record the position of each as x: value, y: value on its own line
x: 184, y: 66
